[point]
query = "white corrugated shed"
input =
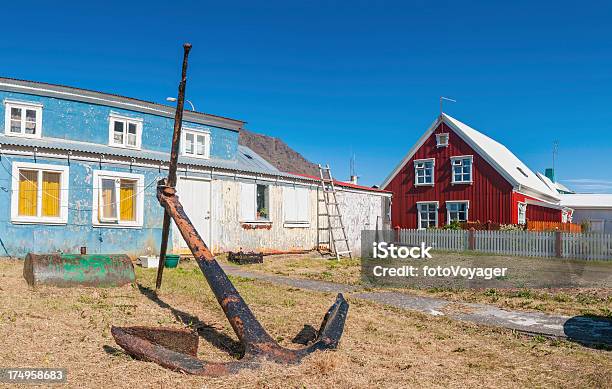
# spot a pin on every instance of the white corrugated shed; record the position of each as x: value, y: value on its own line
x: 584, y: 200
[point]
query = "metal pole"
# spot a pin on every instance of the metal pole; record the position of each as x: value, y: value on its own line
x: 174, y: 153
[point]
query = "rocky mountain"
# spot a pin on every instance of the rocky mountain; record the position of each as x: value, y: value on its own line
x: 277, y: 153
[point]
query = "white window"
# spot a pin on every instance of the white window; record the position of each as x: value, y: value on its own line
x: 462, y: 169
x: 442, y: 139
x: 196, y: 144
x: 427, y: 214
x: 124, y: 131
x: 23, y: 119
x: 295, y: 206
x: 424, y: 171
x: 118, y: 199
x: 254, y: 202
x: 40, y: 193
x: 457, y: 210
x: 522, y: 213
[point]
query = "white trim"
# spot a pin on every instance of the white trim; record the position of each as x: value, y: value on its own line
x: 461, y: 158
x: 438, y: 136
x: 433, y: 171
x: 518, y: 212
x: 296, y: 224
x: 64, y: 193
x: 127, y: 120
x: 23, y: 105
x: 437, y: 221
x: 195, y: 133
x: 97, y: 176
x: 467, y: 209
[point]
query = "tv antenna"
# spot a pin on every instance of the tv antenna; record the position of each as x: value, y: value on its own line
x: 555, y: 150
x: 442, y: 98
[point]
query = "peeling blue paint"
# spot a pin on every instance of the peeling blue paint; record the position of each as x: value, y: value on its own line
x: 85, y: 122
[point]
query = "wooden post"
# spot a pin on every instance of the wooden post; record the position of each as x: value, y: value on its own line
x: 174, y: 153
x: 472, y: 239
x: 558, y: 244
x: 397, y: 234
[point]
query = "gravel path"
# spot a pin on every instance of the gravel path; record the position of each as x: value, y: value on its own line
x: 582, y: 329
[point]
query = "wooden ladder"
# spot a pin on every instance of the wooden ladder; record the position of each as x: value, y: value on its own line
x: 334, y: 218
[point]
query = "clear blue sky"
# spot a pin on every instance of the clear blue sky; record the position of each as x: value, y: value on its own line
x: 332, y: 78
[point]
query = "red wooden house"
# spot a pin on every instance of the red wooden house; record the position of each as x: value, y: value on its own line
x: 454, y: 172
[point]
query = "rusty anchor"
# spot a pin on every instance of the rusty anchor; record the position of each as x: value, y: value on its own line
x: 177, y: 349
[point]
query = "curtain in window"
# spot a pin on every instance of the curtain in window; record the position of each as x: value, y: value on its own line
x: 108, y: 205
x: 28, y: 192
x: 127, y: 200
x: 51, y: 194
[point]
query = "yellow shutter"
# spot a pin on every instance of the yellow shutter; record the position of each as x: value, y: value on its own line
x: 51, y: 194
x: 28, y: 192
x: 127, y: 200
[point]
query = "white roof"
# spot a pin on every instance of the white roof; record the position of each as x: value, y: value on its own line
x: 583, y: 200
x: 496, y: 154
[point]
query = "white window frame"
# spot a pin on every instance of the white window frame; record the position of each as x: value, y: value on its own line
x: 64, y: 194
x: 8, y: 104
x: 112, y: 118
x: 251, y: 218
x: 297, y: 195
x: 461, y: 158
x: 98, y: 175
x: 418, y: 204
x: 195, y: 133
x: 439, y: 137
x: 417, y: 162
x: 521, y: 205
x: 467, y: 210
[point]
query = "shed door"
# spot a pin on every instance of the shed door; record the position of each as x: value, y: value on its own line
x: 194, y: 195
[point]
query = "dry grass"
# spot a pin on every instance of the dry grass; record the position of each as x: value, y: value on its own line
x: 382, y: 347
x: 579, y: 301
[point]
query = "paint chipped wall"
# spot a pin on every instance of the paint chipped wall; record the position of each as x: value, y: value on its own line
x: 19, y: 239
x: 85, y: 122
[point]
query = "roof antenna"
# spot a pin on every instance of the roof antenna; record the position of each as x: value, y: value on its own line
x: 442, y: 98
x: 555, y: 150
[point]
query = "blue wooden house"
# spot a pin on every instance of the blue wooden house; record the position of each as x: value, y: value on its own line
x: 79, y: 168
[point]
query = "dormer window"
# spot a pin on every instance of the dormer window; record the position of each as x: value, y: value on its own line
x: 23, y: 119
x: 442, y: 139
x: 424, y: 172
x: 125, y: 131
x: 195, y: 143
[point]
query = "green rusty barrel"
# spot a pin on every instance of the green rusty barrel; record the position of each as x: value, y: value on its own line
x: 78, y: 270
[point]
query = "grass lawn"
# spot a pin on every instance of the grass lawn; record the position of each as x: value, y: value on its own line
x: 381, y: 347
x: 582, y: 301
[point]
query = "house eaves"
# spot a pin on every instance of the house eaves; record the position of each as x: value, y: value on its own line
x: 112, y: 100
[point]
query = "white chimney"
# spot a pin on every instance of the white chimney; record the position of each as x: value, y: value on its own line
x: 353, y: 179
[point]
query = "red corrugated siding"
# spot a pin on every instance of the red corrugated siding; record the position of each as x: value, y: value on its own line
x: 490, y: 195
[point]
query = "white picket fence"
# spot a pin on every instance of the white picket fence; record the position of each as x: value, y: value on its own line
x: 452, y: 240
x: 519, y: 243
x: 587, y: 246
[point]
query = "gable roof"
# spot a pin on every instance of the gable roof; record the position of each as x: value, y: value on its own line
x: 557, y: 186
x: 496, y: 154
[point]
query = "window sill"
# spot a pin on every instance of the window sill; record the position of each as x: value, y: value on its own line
x: 462, y: 182
x: 255, y: 222
x: 51, y: 222
x: 17, y: 135
x: 125, y: 147
x: 116, y: 225
x: 296, y: 225
x: 195, y: 156
x: 423, y: 184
